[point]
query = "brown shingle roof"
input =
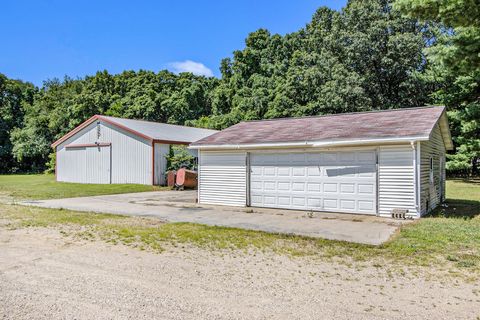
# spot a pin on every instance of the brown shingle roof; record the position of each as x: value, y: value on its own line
x: 398, y: 123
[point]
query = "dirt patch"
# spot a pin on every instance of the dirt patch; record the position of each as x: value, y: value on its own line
x: 135, y: 221
x: 45, y: 275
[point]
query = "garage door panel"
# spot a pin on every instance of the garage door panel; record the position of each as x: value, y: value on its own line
x: 331, y: 204
x: 366, y: 171
x: 298, y: 201
x: 366, y: 156
x: 314, y: 171
x: 330, y: 188
x: 298, y: 171
x: 329, y: 181
x: 347, y: 204
x: 284, y: 200
x: 256, y: 199
x: 269, y: 171
x: 269, y: 185
x: 329, y: 157
x: 269, y: 200
x: 365, y: 205
x: 256, y: 171
x: 314, y: 186
x: 298, y: 186
x: 347, y: 187
x: 347, y: 156
x: 283, y: 171
x: 366, y: 188
x: 283, y: 186
x: 314, y: 157
x: 314, y: 202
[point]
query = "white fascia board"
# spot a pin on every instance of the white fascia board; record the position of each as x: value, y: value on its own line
x: 445, y: 130
x: 370, y: 141
x: 252, y: 146
x: 313, y: 144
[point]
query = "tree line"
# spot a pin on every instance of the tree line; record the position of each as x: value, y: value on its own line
x: 371, y: 55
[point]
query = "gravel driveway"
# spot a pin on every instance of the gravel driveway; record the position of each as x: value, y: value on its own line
x: 44, y: 275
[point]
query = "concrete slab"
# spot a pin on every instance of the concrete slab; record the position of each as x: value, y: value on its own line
x: 180, y: 206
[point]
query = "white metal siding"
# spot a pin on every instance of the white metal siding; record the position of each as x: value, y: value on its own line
x: 92, y: 165
x: 71, y: 165
x: 131, y: 156
x: 222, y: 178
x: 432, y: 192
x: 396, y: 175
x: 100, y: 165
x: 338, y: 181
x: 161, y: 152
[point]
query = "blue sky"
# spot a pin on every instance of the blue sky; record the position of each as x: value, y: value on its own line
x: 44, y: 39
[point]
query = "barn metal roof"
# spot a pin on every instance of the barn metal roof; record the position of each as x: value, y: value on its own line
x: 164, y: 131
x: 149, y: 130
x: 409, y: 124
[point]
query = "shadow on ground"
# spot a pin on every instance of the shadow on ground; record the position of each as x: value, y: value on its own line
x: 458, y: 208
x: 471, y: 181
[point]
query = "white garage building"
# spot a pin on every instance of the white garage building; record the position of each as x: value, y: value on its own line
x: 367, y: 163
x: 114, y: 150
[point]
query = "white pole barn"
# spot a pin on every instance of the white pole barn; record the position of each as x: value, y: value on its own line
x: 113, y: 150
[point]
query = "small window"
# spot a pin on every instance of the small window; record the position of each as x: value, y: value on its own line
x: 431, y: 170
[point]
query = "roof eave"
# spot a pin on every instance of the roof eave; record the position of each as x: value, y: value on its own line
x: 311, y: 144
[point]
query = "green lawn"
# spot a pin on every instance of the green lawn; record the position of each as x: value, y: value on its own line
x: 447, y: 240
x: 44, y: 186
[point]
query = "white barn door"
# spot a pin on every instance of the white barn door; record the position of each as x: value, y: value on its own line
x: 98, y: 164
x: 90, y: 164
x: 160, y: 163
x: 328, y: 181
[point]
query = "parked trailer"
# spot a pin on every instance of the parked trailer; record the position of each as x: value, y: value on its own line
x: 186, y: 179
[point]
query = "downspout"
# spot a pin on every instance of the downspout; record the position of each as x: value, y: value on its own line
x: 248, y: 181
x: 415, y: 177
x: 56, y: 163
x: 377, y: 193
x: 199, y: 176
x: 153, y: 162
x: 418, y: 171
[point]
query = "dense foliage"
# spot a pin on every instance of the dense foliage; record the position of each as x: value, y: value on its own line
x: 14, y: 97
x: 455, y: 65
x: 180, y: 157
x: 369, y: 56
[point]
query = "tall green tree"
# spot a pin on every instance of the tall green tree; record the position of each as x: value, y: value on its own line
x: 367, y: 56
x: 455, y: 66
x: 14, y: 96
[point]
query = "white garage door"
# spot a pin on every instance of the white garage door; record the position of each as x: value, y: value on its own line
x: 86, y: 165
x: 327, y: 181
